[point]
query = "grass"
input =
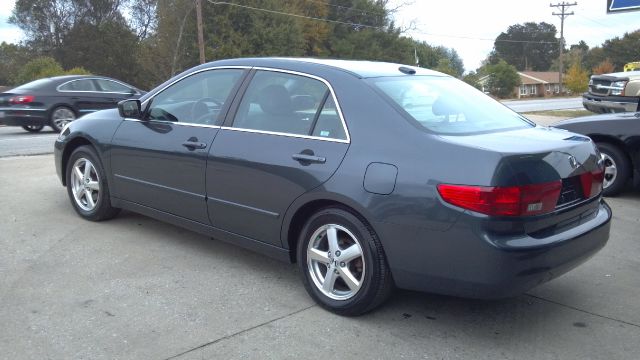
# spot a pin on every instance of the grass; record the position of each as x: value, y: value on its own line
x: 561, y: 113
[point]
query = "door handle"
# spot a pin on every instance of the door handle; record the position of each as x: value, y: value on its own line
x: 192, y: 145
x: 305, y: 159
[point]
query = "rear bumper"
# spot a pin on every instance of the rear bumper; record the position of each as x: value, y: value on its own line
x: 23, y: 117
x: 469, y: 262
x: 608, y: 104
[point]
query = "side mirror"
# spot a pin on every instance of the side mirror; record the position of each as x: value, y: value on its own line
x: 130, y: 109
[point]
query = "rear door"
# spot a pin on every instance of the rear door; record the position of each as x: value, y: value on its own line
x: 160, y: 162
x: 286, y: 138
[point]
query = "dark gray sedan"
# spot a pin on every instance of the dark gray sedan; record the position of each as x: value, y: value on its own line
x: 368, y: 175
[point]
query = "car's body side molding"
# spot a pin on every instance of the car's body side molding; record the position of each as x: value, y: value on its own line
x: 218, y: 234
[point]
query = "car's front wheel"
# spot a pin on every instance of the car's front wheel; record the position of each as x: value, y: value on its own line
x: 617, y: 169
x: 60, y: 117
x: 87, y: 185
x: 343, y: 265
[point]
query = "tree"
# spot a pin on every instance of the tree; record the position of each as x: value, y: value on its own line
x: 605, y: 67
x: 114, y: 55
x: 577, y: 79
x: 473, y: 79
x: 12, y: 58
x: 618, y: 51
x: 43, y: 67
x: 39, y: 68
x: 528, y: 46
x: 503, y: 78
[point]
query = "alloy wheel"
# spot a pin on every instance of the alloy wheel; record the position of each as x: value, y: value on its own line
x: 85, y: 184
x: 62, y: 116
x: 335, y: 262
x: 610, y: 170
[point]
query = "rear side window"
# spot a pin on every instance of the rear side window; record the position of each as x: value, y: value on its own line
x: 79, y: 85
x: 112, y: 86
x: 290, y: 104
x: 445, y: 105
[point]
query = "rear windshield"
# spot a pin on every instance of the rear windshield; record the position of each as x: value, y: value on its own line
x: 445, y: 105
x: 33, y: 85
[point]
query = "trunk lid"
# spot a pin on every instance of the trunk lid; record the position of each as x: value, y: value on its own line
x: 540, y: 155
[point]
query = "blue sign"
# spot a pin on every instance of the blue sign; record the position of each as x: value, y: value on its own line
x: 614, y: 6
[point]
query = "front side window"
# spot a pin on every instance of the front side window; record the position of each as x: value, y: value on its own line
x: 445, y: 105
x: 291, y: 104
x: 112, y: 86
x: 196, y: 99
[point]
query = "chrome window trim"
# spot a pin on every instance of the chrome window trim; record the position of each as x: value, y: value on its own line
x: 333, y: 95
x: 335, y: 101
x: 286, y: 134
x: 175, y: 123
x: 96, y: 91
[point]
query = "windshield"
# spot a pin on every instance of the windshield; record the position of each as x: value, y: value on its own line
x: 445, y: 105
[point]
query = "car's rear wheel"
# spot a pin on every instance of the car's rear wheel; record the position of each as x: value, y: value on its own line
x: 87, y: 185
x: 33, y: 128
x: 60, y: 117
x: 617, y: 169
x: 342, y: 263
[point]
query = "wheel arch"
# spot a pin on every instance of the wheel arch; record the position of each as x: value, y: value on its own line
x: 59, y: 105
x: 611, y: 140
x: 298, y: 213
x: 68, y: 150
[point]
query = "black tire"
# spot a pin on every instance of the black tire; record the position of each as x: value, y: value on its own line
x: 375, y: 281
x: 33, y: 128
x: 54, y: 121
x: 615, y: 156
x: 101, y: 209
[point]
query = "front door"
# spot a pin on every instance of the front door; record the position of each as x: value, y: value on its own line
x: 160, y: 161
x: 287, y: 137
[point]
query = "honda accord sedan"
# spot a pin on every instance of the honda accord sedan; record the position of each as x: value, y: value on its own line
x: 58, y: 100
x: 368, y: 175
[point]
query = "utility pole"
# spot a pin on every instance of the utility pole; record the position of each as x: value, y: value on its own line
x: 200, y: 34
x: 563, y: 14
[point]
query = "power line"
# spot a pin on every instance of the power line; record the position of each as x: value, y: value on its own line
x: 357, y: 25
x: 381, y: 12
x: 370, y: 26
x: 485, y: 39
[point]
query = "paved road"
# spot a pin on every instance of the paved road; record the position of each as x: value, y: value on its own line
x: 16, y: 141
x: 544, y: 104
x: 136, y: 288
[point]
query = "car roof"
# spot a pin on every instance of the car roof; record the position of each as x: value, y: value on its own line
x: 76, y: 77
x: 358, y: 68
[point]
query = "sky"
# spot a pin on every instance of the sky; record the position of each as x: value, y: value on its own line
x: 470, y: 26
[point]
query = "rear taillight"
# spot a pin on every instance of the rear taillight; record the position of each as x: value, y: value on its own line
x: 522, y: 200
x: 21, y: 99
x: 592, y: 183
